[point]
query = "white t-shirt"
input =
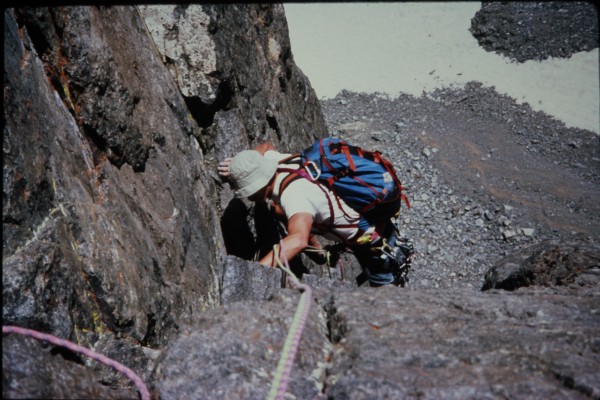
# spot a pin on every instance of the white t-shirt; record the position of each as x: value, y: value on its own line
x: 302, y: 195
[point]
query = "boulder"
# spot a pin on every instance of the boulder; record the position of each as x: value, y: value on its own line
x: 549, y: 263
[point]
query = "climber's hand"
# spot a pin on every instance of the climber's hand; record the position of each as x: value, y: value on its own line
x: 223, y: 167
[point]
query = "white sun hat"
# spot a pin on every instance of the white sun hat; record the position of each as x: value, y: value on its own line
x: 249, y: 172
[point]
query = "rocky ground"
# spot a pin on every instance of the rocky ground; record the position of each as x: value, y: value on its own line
x: 486, y: 176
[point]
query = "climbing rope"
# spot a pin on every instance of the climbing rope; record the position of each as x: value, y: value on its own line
x: 325, y: 252
x: 284, y: 367
x: 332, y: 256
x: 144, y: 393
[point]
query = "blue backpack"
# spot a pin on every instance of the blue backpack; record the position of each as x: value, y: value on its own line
x: 365, y: 180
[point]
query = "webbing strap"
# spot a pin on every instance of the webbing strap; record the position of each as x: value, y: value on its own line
x: 286, y: 360
x: 346, y: 151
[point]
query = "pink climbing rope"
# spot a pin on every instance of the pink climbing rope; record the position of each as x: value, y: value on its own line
x: 286, y: 360
x: 144, y: 393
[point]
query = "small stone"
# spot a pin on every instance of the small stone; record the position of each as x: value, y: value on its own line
x: 504, y: 221
x: 508, y: 233
x: 527, y: 231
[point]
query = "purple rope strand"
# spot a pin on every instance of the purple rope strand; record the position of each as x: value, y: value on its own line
x: 144, y: 393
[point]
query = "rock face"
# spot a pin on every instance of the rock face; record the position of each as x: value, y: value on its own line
x: 111, y: 216
x: 430, y: 345
x: 395, y: 344
x: 118, y: 235
x: 235, y: 70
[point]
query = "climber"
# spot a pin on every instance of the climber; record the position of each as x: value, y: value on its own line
x: 311, y: 209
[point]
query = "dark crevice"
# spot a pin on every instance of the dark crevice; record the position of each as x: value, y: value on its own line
x: 46, y: 35
x: 336, y: 330
x: 237, y: 235
x: 272, y: 121
x: 186, y: 232
x: 571, y: 383
x: 117, y: 153
x: 336, y: 324
x: 157, y: 272
x: 150, y: 338
x: 282, y: 83
x: 67, y: 354
x: 9, y: 219
x: 105, y: 309
x: 34, y: 30
x: 204, y: 113
x: 97, y: 143
x: 285, y: 76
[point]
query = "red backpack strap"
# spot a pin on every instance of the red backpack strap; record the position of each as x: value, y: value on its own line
x: 287, y: 159
x: 293, y: 175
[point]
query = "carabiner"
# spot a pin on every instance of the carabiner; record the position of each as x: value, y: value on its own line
x: 316, y: 170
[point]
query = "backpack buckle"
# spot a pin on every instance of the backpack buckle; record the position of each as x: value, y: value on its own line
x: 310, y: 165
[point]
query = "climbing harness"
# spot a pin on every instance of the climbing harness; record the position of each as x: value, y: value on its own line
x: 144, y: 393
x: 292, y: 341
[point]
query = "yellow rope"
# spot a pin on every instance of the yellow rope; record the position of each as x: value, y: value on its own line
x: 290, y: 347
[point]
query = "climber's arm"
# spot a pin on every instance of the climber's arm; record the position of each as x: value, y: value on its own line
x: 299, y: 226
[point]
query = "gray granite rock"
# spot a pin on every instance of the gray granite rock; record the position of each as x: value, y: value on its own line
x: 233, y: 352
